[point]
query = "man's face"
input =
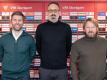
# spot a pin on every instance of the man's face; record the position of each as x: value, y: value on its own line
x: 17, y: 22
x: 90, y: 30
x: 53, y: 13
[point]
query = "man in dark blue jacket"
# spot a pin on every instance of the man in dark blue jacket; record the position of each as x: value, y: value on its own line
x: 17, y: 49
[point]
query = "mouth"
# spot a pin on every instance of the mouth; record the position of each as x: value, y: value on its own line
x: 17, y: 26
x: 90, y: 32
x: 53, y: 15
x: 53, y: 18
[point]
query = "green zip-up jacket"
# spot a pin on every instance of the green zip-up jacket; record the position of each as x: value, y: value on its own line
x: 16, y: 55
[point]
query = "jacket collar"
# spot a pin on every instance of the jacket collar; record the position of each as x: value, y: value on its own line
x: 23, y: 33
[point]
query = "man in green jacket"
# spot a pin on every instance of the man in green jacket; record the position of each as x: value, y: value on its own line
x: 17, y: 49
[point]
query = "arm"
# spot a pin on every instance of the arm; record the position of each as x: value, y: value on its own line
x: 38, y: 40
x: 1, y: 50
x: 32, y: 49
x: 68, y: 40
x: 74, y: 59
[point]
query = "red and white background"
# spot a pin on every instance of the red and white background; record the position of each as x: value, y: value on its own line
x: 73, y: 12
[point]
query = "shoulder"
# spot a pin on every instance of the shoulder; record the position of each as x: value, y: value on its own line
x: 5, y: 35
x: 28, y: 35
x: 102, y: 39
x: 64, y: 24
x: 42, y: 24
x: 79, y: 41
x: 29, y: 38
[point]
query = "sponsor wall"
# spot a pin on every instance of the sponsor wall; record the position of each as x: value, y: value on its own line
x: 72, y: 12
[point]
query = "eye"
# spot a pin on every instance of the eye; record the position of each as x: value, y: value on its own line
x: 20, y: 20
x: 13, y: 19
x: 87, y: 27
x: 55, y: 11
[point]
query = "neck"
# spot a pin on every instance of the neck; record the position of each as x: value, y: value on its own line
x: 91, y: 39
x: 53, y: 22
x: 16, y: 32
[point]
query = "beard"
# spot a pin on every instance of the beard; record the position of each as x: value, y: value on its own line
x: 53, y: 18
x: 90, y: 34
x: 17, y: 27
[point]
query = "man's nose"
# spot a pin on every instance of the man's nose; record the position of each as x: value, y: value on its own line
x: 17, y: 21
x: 53, y: 12
x: 90, y: 28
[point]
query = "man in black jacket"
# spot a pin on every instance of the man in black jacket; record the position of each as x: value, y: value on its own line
x: 53, y: 45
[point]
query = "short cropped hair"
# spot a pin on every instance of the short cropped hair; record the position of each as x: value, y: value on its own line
x: 19, y: 13
x: 56, y: 3
x: 94, y: 21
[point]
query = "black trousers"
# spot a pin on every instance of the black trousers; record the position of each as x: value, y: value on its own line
x: 48, y: 74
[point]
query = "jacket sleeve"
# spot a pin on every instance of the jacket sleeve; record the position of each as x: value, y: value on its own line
x: 33, y: 49
x: 38, y: 40
x: 74, y: 59
x: 1, y: 50
x: 68, y: 40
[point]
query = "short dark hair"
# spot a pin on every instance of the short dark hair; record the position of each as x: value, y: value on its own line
x: 19, y: 13
x: 94, y: 21
x: 56, y: 3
